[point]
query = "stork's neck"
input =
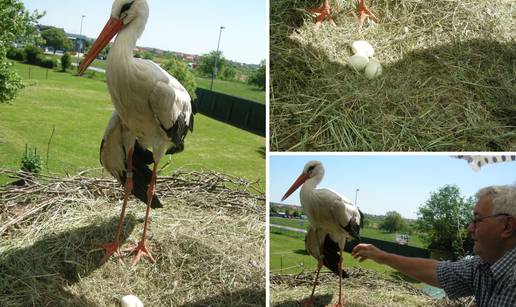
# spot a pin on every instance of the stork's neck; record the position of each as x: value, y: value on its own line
x: 125, y: 42
x: 311, y: 183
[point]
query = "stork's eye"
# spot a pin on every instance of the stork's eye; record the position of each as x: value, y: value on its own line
x: 126, y: 7
x: 310, y: 169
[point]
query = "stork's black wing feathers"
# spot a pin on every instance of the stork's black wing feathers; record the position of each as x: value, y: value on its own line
x: 177, y: 133
x: 331, y: 257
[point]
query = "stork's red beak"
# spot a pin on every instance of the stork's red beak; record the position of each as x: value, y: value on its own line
x: 299, y: 181
x: 112, y: 27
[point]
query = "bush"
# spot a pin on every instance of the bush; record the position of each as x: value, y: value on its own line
x: 33, y: 54
x: 48, y: 62
x: 66, y: 60
x: 16, y: 54
x: 31, y: 161
x: 10, y: 82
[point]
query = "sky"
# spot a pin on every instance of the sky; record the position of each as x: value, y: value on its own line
x: 183, y: 26
x: 387, y: 182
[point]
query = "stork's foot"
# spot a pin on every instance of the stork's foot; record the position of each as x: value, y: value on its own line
x: 111, y: 248
x: 363, y: 13
x: 308, y: 302
x: 320, y: 14
x: 339, y: 304
x: 141, y: 250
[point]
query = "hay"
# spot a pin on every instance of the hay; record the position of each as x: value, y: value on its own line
x: 448, y: 81
x: 208, y: 241
x: 363, y: 288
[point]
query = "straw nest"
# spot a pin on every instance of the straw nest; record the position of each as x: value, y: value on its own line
x: 363, y: 288
x: 448, y: 80
x: 208, y: 242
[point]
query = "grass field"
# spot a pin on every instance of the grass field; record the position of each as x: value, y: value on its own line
x: 79, y: 109
x: 368, y: 232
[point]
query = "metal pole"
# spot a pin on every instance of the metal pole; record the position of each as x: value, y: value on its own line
x: 214, y: 72
x: 80, y: 45
x: 356, y: 195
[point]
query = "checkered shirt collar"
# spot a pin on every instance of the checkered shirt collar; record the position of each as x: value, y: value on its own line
x: 504, y: 265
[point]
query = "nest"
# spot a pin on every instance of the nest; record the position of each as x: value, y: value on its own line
x: 447, y: 83
x: 363, y: 288
x: 208, y: 242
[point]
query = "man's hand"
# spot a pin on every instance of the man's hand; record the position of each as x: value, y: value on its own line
x: 367, y: 251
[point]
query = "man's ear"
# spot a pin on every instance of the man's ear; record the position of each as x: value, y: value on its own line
x: 509, y: 229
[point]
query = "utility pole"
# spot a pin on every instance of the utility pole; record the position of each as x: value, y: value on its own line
x: 214, y: 73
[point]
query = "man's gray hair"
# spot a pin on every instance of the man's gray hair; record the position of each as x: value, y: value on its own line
x: 504, y: 198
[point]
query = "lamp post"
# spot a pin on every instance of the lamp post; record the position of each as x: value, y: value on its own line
x: 80, y: 44
x: 356, y: 195
x: 216, y: 59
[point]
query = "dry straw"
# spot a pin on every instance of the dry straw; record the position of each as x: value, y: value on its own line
x: 448, y: 81
x: 208, y: 241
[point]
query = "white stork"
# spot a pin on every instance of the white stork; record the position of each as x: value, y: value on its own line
x: 323, y: 12
x: 152, y: 110
x: 333, y: 219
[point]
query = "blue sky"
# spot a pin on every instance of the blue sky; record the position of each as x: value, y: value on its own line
x: 387, y: 182
x: 184, y: 26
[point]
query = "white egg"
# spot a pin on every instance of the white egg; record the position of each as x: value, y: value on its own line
x: 358, y: 61
x: 131, y: 301
x: 362, y: 47
x: 373, y: 70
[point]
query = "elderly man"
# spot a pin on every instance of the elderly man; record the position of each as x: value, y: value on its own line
x: 491, y: 275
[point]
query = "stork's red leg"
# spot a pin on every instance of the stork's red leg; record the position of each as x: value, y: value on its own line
x: 363, y: 13
x: 321, y: 13
x: 340, y: 304
x: 141, y: 248
x: 114, y: 247
x: 309, y: 302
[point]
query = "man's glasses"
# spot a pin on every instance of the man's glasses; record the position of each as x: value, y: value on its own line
x: 477, y: 220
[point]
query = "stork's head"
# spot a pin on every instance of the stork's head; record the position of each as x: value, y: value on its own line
x: 128, y: 11
x: 312, y: 169
x: 123, y: 14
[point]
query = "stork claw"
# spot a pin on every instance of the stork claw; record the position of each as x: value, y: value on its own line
x: 308, y: 302
x: 111, y: 248
x: 141, y: 250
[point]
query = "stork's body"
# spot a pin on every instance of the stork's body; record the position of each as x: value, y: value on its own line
x: 152, y: 110
x: 333, y: 219
x: 323, y: 12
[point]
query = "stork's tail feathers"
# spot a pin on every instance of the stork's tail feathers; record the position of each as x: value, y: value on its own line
x: 142, y: 175
x: 331, y: 255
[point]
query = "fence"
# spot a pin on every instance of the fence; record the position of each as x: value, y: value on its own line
x: 239, y: 112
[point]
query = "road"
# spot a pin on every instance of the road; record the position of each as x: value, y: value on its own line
x: 288, y: 228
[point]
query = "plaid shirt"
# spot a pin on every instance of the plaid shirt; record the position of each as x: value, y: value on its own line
x: 492, y: 284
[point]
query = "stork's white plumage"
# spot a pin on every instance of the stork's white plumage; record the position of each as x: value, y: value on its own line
x: 152, y: 110
x: 333, y: 219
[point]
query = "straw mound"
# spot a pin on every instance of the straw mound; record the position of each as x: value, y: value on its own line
x: 208, y: 242
x: 447, y: 83
x: 363, y: 288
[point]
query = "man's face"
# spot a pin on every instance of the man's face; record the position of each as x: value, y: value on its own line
x: 486, y: 232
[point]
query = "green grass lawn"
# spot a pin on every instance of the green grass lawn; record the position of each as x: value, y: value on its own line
x: 368, y: 232
x: 238, y: 89
x: 79, y: 109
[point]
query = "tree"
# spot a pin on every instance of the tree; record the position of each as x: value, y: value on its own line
x: 258, y: 78
x: 444, y: 218
x: 207, y: 63
x: 65, y: 61
x: 16, y: 25
x: 179, y: 70
x: 57, y: 39
x: 393, y: 222
x: 228, y: 73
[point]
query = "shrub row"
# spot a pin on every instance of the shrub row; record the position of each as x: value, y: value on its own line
x: 32, y: 55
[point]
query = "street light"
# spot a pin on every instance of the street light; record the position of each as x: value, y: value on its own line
x: 216, y: 59
x: 80, y: 44
x: 356, y: 195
